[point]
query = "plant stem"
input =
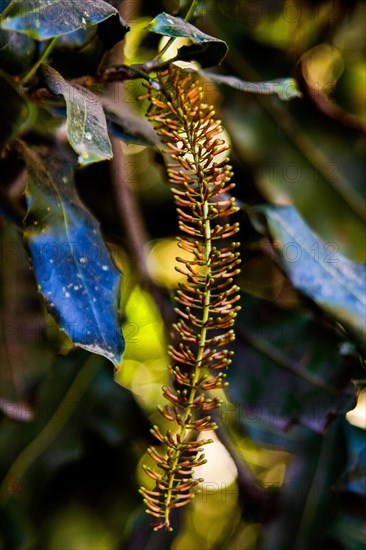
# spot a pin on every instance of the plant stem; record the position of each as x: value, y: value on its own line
x: 46, y: 52
x: 4, y: 14
x: 190, y: 12
x: 127, y: 209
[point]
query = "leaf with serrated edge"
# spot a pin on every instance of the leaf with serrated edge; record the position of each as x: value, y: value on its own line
x: 335, y: 283
x: 86, y: 124
x: 73, y: 267
x: 44, y: 19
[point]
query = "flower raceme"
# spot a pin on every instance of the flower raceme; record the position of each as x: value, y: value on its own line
x: 200, y: 181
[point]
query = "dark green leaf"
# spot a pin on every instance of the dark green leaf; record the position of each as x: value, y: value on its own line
x: 17, y: 52
x: 42, y: 19
x: 15, y: 111
x: 348, y: 527
x: 4, y: 4
x: 285, y: 88
x: 317, y: 269
x: 24, y: 351
x: 209, y: 51
x: 76, y: 399
x: 295, y: 160
x: 354, y: 476
x: 86, y: 124
x: 307, y: 493
x: 72, y: 265
x: 287, y: 369
x: 111, y: 31
x: 8, y: 210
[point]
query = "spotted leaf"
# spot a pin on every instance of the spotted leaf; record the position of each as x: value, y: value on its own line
x: 86, y: 124
x: 73, y: 266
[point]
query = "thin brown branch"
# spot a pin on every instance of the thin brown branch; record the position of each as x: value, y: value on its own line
x: 128, y: 210
x: 110, y: 74
x: 328, y: 107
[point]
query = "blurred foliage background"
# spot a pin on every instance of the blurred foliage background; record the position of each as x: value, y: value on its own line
x: 288, y: 466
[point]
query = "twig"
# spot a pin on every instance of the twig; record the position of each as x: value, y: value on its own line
x: 127, y: 208
x: 110, y: 74
x: 324, y: 104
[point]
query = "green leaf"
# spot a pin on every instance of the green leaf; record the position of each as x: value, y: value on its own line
x: 24, y: 353
x: 206, y: 49
x: 86, y: 125
x: 17, y: 52
x: 317, y: 269
x: 73, y: 267
x: 15, y: 111
x: 4, y: 4
x: 44, y: 19
x: 287, y: 370
x: 354, y: 476
x: 111, y: 31
x: 8, y: 210
x: 76, y: 401
x: 295, y: 160
x: 348, y: 527
x: 306, y: 500
x: 285, y: 88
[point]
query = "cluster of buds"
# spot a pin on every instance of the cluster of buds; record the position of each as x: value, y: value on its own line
x: 200, y: 180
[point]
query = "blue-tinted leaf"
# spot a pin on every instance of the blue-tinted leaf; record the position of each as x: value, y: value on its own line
x: 206, y: 49
x: 86, y: 125
x: 72, y: 265
x: 76, y: 39
x: 285, y: 88
x: 43, y: 19
x: 317, y: 269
